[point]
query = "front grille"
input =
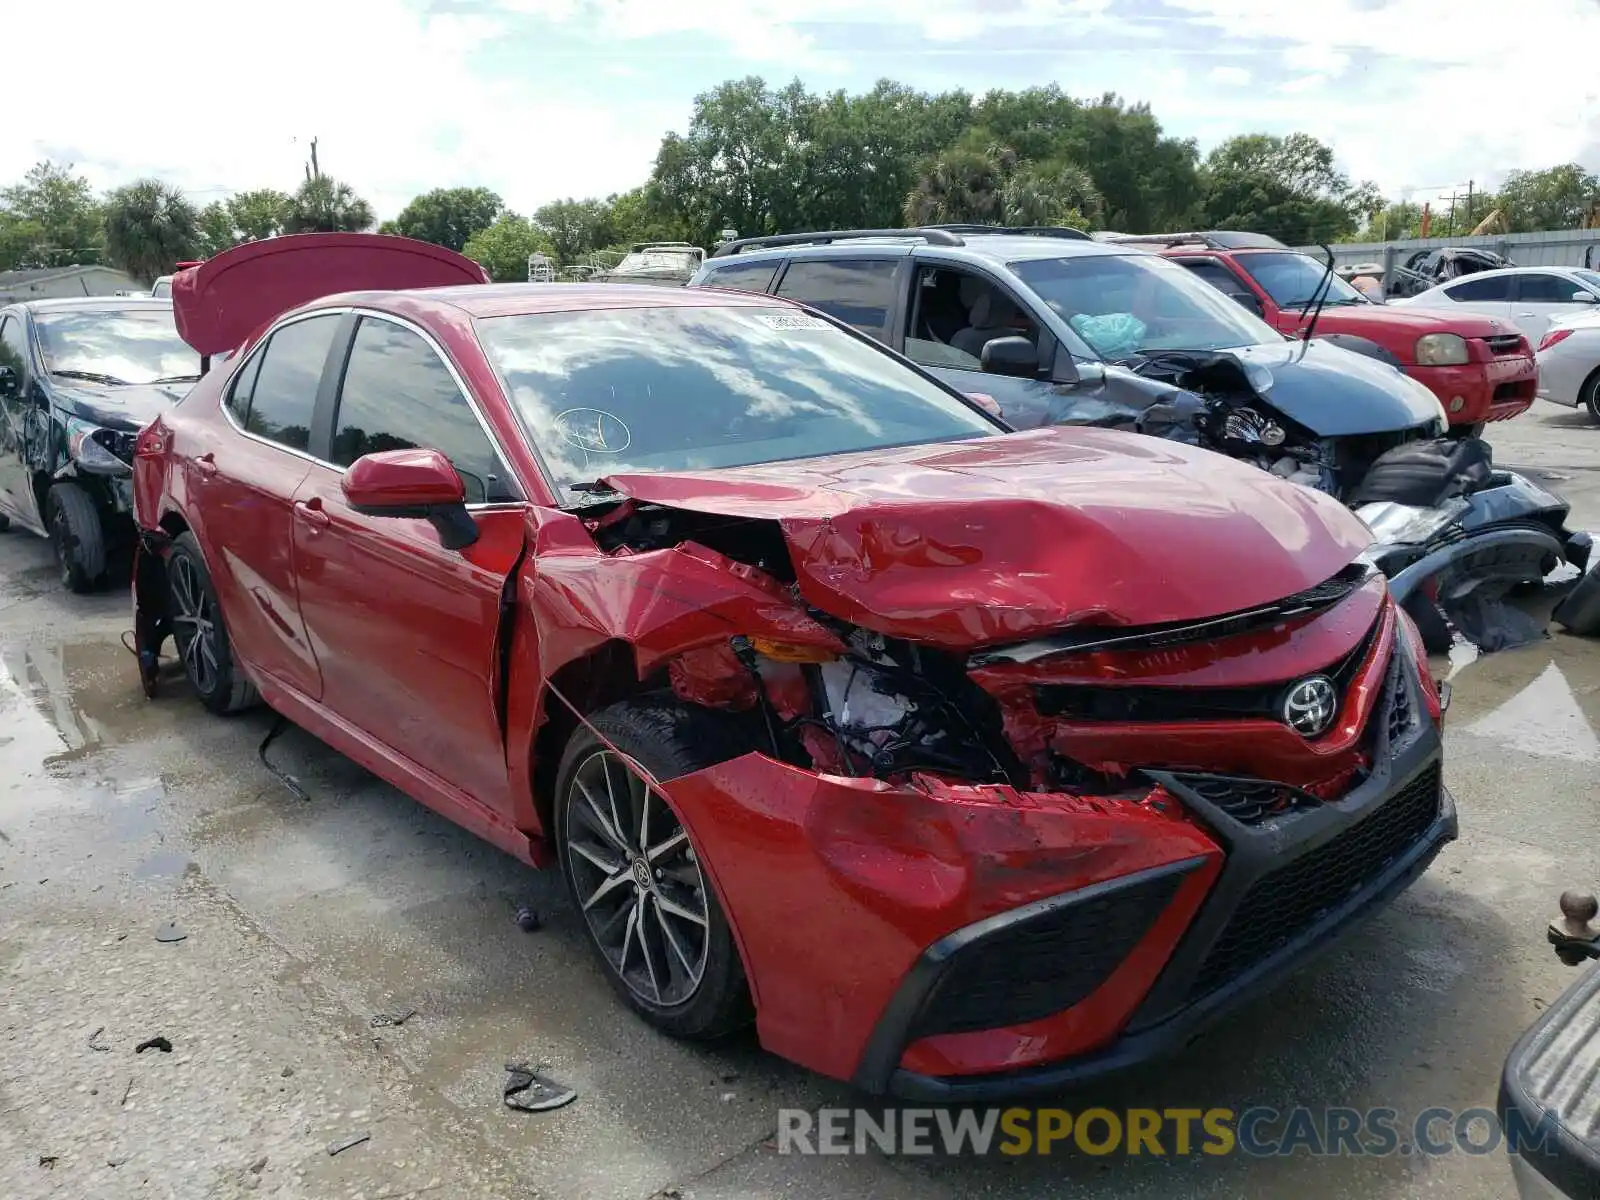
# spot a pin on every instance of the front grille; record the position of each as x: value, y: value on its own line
x: 1502, y: 344
x: 1129, y: 703
x: 1248, y: 801
x: 1288, y: 901
x: 1040, y: 965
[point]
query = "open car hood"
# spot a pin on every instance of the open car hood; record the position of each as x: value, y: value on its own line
x: 224, y: 300
x: 1002, y: 539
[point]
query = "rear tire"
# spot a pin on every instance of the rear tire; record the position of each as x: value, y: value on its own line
x: 652, y: 916
x: 1589, y: 395
x: 200, y: 635
x: 1579, y: 610
x: 76, y: 534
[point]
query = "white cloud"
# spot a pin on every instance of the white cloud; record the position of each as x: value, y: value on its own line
x: 390, y: 95
x: 1234, y: 76
x: 400, y: 101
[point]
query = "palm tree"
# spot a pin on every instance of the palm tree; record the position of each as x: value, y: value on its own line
x: 149, y: 227
x: 324, y: 205
x: 957, y: 186
x: 1047, y: 193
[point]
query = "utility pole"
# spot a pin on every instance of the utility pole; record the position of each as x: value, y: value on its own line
x: 1469, y: 205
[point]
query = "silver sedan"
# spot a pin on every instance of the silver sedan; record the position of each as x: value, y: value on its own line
x: 1569, y: 362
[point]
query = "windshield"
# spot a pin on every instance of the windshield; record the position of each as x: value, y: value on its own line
x: 116, y: 345
x: 1292, y: 279
x: 1124, y: 303
x: 162, y: 288
x: 686, y: 388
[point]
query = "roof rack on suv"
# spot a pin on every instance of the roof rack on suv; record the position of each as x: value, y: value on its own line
x: 932, y: 234
x: 1055, y: 231
x: 1221, y: 239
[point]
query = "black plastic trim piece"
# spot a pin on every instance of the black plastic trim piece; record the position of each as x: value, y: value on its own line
x: 893, y: 1031
x: 930, y: 234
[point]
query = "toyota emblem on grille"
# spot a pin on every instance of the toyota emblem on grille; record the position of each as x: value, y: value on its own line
x: 1310, y: 706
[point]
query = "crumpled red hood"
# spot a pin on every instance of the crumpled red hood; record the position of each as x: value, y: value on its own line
x: 1006, y: 538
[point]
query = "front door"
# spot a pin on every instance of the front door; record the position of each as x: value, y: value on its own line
x: 244, y: 481
x: 952, y: 313
x: 1541, y: 297
x: 18, y: 430
x: 406, y: 631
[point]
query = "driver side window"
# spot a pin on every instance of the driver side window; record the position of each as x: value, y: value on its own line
x: 954, y: 313
x: 397, y: 394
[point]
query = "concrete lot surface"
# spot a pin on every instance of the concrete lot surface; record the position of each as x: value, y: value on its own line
x: 303, y: 921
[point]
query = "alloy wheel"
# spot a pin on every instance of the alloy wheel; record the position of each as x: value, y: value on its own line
x: 196, y: 632
x: 639, y: 883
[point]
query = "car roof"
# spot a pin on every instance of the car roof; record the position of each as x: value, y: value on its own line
x: 995, y: 248
x: 95, y: 304
x: 522, y: 299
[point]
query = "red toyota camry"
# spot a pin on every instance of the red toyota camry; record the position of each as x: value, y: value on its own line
x: 966, y: 762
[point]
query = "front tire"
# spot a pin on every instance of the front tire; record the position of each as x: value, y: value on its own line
x: 635, y: 879
x: 76, y: 535
x: 200, y: 635
x: 1589, y: 396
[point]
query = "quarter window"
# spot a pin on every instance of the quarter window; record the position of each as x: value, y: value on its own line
x: 858, y: 292
x: 397, y: 394
x: 275, y: 398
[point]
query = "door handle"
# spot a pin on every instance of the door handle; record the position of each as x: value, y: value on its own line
x: 312, y: 513
x: 206, y: 464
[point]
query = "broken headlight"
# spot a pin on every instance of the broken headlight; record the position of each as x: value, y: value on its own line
x: 99, y: 450
x: 1407, y: 525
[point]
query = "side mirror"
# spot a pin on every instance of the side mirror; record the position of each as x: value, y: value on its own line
x: 1585, y: 298
x: 10, y: 383
x: 1010, y: 356
x: 412, y: 483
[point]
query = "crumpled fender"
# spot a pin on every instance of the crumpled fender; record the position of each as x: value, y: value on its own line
x: 833, y: 886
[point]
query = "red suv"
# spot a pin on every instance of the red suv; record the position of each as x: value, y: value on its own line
x: 1480, y: 368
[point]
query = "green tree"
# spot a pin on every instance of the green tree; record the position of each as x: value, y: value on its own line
x: 216, y: 228
x: 1555, y: 198
x: 149, y: 226
x: 575, y: 227
x: 1286, y: 187
x: 49, y: 219
x: 1052, y: 193
x: 959, y: 185
x: 323, y: 204
x: 503, y: 248
x: 449, y: 216
x: 261, y: 213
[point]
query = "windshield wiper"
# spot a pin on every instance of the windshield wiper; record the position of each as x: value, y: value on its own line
x: 91, y: 377
x: 176, y: 379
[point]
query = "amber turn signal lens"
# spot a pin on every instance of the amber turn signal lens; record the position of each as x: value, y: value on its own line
x: 792, y: 652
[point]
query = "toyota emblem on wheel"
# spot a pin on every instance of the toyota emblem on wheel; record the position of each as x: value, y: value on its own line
x: 1310, y: 706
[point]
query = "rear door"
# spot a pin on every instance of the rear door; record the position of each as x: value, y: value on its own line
x: 1486, y: 294
x: 1542, y: 296
x: 243, y: 476
x: 407, y: 631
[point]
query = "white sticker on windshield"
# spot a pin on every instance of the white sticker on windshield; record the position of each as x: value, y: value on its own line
x: 792, y: 321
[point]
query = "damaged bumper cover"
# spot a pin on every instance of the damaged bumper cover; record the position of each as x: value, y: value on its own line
x: 966, y: 942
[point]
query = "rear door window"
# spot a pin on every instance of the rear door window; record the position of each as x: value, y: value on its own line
x: 1218, y: 276
x: 859, y: 292
x: 1545, y: 289
x: 742, y: 277
x: 1496, y: 287
x: 282, y: 389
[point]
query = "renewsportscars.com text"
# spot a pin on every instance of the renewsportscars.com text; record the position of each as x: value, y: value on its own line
x: 1259, y: 1132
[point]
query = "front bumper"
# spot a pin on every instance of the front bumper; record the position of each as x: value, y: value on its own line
x: 1496, y: 390
x: 1261, y: 921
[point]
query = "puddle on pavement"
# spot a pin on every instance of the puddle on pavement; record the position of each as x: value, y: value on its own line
x: 1542, y: 699
x: 163, y: 864
x: 64, y: 701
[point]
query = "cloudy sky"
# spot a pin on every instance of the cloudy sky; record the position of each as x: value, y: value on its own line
x: 540, y: 99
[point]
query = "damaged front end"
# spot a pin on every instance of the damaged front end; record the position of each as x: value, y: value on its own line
x: 1038, y: 857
